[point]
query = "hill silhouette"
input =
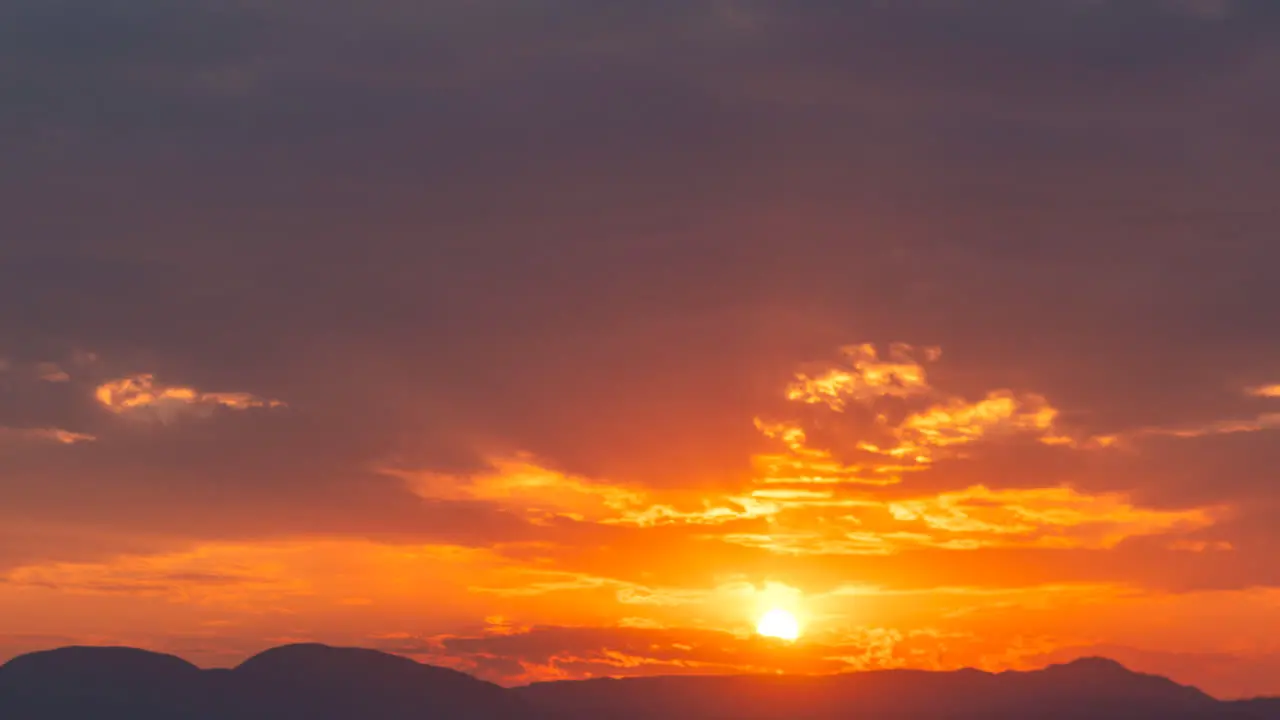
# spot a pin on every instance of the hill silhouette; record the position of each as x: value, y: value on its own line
x: 98, y: 682
x: 295, y: 682
x: 317, y: 682
x: 1089, y: 688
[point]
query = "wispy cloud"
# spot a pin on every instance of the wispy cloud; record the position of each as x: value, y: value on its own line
x: 802, y: 499
x: 801, y: 464
x: 251, y: 576
x: 143, y: 394
x: 1208, y: 428
x: 970, y: 519
x: 865, y: 376
x: 937, y: 423
x: 957, y: 422
x: 817, y: 504
x: 48, y: 370
x: 521, y: 484
x: 44, y: 435
x: 1265, y: 421
x: 1265, y: 391
x: 1045, y: 517
x: 52, y: 372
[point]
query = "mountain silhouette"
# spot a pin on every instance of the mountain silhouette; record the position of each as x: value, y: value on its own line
x: 318, y: 682
x: 98, y: 682
x: 295, y: 682
x: 1090, y: 688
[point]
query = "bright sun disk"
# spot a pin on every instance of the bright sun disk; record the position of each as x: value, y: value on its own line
x: 779, y: 624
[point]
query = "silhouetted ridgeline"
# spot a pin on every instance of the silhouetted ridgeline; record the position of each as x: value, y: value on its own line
x: 315, y: 682
x: 297, y: 682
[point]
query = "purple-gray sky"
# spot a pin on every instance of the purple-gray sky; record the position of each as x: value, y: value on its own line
x: 602, y: 237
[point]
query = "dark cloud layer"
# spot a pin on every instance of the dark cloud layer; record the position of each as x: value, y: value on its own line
x: 607, y: 234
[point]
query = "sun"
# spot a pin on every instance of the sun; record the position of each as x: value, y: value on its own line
x: 779, y: 623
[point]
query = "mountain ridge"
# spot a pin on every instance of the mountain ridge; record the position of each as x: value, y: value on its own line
x: 320, y: 682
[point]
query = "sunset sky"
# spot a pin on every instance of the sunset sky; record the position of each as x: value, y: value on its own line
x: 566, y: 338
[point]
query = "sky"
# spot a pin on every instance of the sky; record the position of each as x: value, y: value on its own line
x: 566, y: 338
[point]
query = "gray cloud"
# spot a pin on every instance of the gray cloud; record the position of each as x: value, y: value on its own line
x: 606, y: 233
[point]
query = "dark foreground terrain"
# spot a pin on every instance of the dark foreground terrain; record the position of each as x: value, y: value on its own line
x: 315, y: 682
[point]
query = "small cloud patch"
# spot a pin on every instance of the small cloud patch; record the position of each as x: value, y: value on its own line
x: 143, y: 394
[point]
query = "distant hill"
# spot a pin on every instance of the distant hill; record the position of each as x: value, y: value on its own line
x: 296, y: 682
x: 94, y: 682
x: 1091, y: 688
x: 317, y: 682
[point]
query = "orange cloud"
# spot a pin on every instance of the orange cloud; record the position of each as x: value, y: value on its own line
x: 52, y: 372
x: 1266, y: 421
x: 1045, y: 517
x: 803, y: 484
x: 1266, y: 391
x: 141, y: 393
x: 969, y: 519
x: 946, y: 428
x: 1200, y: 546
x: 544, y: 653
x: 803, y: 465
x: 820, y: 513
x: 1228, y: 426
x: 522, y: 484
x: 544, y: 582
x: 942, y: 428
x: 254, y: 577
x: 811, y: 542
x: 865, y: 376
x: 705, y: 511
x: 640, y: 648
x: 957, y: 422
x: 45, y: 435
x: 209, y: 574
x: 816, y: 504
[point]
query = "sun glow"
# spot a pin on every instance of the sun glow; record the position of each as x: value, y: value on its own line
x: 779, y: 623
